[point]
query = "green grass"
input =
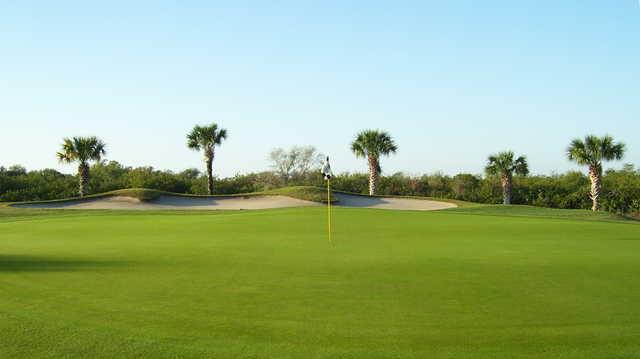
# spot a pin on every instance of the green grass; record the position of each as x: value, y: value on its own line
x: 465, y: 283
x: 540, y: 212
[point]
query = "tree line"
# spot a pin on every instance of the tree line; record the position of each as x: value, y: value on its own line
x: 620, y: 188
x: 615, y: 191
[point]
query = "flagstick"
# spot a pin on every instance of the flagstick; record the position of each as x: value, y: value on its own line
x: 329, y: 209
x: 326, y: 173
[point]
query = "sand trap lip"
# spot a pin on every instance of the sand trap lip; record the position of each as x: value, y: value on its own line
x: 407, y: 204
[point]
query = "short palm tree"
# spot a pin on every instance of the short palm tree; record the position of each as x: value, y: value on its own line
x: 504, y: 164
x: 206, y: 138
x: 82, y: 150
x: 592, y: 151
x: 371, y: 144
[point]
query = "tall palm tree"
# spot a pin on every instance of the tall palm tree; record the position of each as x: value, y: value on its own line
x: 82, y: 150
x: 206, y: 138
x: 592, y: 151
x: 504, y: 164
x: 371, y: 144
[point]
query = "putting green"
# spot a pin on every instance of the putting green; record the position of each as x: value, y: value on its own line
x: 266, y: 284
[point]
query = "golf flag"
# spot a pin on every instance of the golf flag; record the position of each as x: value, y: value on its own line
x: 326, y: 173
x: 326, y: 170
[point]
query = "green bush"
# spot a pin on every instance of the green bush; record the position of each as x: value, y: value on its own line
x: 621, y: 193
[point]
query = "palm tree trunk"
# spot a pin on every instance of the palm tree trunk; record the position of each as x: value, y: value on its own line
x: 596, y: 186
x: 507, y: 189
x: 209, y: 161
x: 83, y: 179
x: 373, y: 175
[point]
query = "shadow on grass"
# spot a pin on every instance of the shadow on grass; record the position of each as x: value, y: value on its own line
x: 21, y: 263
x: 358, y: 201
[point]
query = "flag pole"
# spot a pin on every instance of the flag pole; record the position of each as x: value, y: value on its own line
x: 326, y: 173
x: 329, y: 210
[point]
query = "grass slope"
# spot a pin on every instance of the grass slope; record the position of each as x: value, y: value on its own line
x: 266, y: 284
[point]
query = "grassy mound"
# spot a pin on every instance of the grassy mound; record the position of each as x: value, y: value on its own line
x: 306, y: 193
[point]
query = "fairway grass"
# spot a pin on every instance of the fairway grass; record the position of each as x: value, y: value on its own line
x: 462, y: 283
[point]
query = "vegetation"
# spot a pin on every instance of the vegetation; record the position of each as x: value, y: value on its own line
x: 371, y: 144
x: 591, y: 152
x: 295, y: 163
x: 206, y: 138
x: 504, y: 166
x: 620, y: 194
x: 267, y: 284
x: 82, y: 150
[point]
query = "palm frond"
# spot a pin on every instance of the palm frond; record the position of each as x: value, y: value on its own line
x: 592, y: 150
x: 81, y: 149
x: 521, y: 167
x: 206, y: 137
x: 577, y: 152
x: 611, y: 150
x: 373, y: 143
x: 503, y: 163
x: 358, y: 149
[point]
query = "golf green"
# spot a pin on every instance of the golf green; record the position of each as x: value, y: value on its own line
x: 267, y: 284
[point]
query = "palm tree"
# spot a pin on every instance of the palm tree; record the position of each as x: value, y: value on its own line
x: 371, y: 144
x: 592, y: 151
x: 206, y: 138
x: 504, y: 165
x: 82, y: 150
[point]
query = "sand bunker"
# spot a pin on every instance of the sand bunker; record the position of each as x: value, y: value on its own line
x: 178, y: 202
x: 348, y: 200
x: 238, y: 203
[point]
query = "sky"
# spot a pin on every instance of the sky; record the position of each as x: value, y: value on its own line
x: 452, y: 81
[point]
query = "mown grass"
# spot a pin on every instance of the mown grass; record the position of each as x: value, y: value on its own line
x: 541, y: 212
x: 461, y: 283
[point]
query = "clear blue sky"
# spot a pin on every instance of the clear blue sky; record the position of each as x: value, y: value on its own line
x: 452, y: 80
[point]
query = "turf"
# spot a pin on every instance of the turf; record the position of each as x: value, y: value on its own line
x: 462, y: 283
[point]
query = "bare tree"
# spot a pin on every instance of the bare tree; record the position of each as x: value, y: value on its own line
x: 294, y: 163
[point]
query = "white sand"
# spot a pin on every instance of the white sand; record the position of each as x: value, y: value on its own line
x: 177, y: 202
x: 239, y: 203
x: 347, y: 200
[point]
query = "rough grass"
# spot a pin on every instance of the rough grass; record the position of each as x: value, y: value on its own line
x: 463, y: 283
